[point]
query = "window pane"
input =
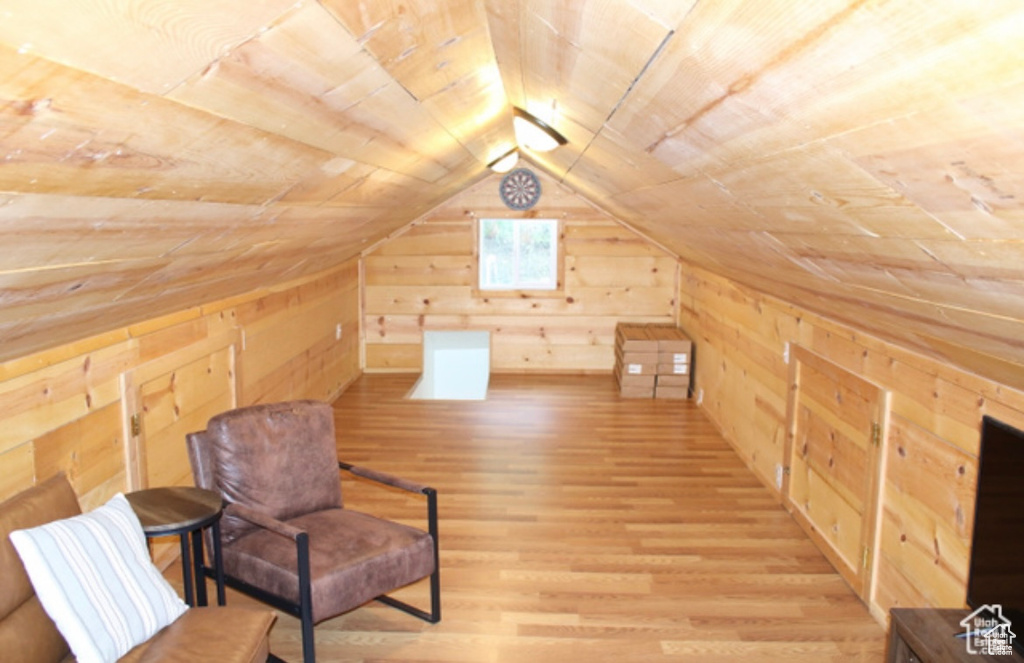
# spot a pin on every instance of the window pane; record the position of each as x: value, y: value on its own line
x: 535, y: 253
x: 497, y: 253
x: 518, y: 254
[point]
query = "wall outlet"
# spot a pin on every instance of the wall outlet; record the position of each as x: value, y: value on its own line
x: 785, y: 353
x: 700, y: 396
x: 778, y: 476
x: 337, y: 332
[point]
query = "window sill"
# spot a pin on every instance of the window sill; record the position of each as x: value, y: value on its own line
x: 519, y: 294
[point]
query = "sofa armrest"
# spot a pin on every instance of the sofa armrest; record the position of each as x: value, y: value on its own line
x: 226, y: 634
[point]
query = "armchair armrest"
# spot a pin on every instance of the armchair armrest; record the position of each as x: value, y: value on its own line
x: 386, y: 479
x: 263, y: 520
x: 304, y: 607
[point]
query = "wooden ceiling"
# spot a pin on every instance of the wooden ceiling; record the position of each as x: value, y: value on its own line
x: 862, y: 159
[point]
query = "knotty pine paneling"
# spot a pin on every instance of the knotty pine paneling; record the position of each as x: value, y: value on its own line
x: 316, y: 84
x: 930, y: 452
x: 292, y: 345
x: 443, y: 57
x: 425, y: 279
x: 68, y: 132
x: 62, y: 408
x: 157, y: 46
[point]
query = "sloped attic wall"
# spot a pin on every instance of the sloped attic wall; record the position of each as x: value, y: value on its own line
x: 857, y: 157
x: 69, y: 408
x: 160, y: 155
x: 426, y: 278
x: 927, y: 454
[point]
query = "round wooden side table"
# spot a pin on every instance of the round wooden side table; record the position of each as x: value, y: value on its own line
x: 185, y: 511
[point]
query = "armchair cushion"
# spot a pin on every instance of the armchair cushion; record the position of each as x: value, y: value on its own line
x: 351, y: 556
x: 279, y: 459
x: 94, y: 578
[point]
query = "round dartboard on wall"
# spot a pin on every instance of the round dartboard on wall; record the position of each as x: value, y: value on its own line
x: 520, y: 189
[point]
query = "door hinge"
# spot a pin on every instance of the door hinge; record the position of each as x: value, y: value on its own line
x: 136, y: 425
x: 865, y: 557
x: 876, y: 434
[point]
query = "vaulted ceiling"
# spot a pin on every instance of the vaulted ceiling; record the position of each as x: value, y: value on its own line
x: 862, y: 159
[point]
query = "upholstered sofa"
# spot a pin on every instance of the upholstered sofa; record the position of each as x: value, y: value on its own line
x: 224, y: 634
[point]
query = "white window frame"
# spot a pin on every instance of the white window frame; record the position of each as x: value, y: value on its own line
x: 486, y: 265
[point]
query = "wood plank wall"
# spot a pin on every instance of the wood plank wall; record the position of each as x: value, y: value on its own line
x: 425, y: 279
x: 61, y: 409
x: 929, y: 456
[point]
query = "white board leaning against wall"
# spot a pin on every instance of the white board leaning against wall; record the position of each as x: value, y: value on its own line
x: 456, y: 366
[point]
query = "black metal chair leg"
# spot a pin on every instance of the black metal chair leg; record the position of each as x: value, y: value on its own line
x: 308, y: 644
x: 435, y: 596
x: 218, y: 565
x: 435, y: 577
x: 305, y: 599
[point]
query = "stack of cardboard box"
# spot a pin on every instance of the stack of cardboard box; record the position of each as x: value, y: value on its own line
x: 636, y: 360
x: 652, y: 360
x: 674, y: 352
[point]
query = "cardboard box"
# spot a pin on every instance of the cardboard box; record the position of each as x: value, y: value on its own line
x: 638, y: 369
x: 636, y: 392
x: 634, y: 357
x: 634, y: 337
x: 635, y: 381
x: 670, y: 338
x: 673, y: 381
x: 673, y: 369
x: 644, y: 353
x: 671, y: 392
x: 673, y: 357
x: 636, y: 363
x: 635, y: 386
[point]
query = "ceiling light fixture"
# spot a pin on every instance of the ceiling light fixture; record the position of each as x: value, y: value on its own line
x: 535, y: 134
x: 505, y: 162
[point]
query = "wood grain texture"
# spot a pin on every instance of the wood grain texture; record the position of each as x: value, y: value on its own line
x: 767, y: 145
x: 843, y: 175
x: 425, y: 278
x: 314, y: 83
x: 836, y: 422
x: 158, y: 44
x: 858, y: 158
x: 69, y: 132
x: 575, y: 524
x: 929, y: 457
x: 444, y: 59
x: 66, y: 409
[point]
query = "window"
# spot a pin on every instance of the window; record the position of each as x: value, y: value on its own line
x: 518, y: 254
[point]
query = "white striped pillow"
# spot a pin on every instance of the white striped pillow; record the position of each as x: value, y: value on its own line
x: 93, y: 575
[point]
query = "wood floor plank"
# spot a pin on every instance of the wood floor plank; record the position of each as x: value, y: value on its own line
x: 576, y: 525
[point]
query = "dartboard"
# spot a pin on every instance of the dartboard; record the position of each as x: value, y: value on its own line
x: 520, y: 189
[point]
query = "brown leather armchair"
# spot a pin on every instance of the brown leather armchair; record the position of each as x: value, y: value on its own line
x: 28, y: 635
x: 286, y: 537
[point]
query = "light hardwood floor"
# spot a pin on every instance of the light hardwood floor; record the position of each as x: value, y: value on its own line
x: 578, y: 525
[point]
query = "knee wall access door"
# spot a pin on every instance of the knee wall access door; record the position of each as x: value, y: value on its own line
x: 836, y: 426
